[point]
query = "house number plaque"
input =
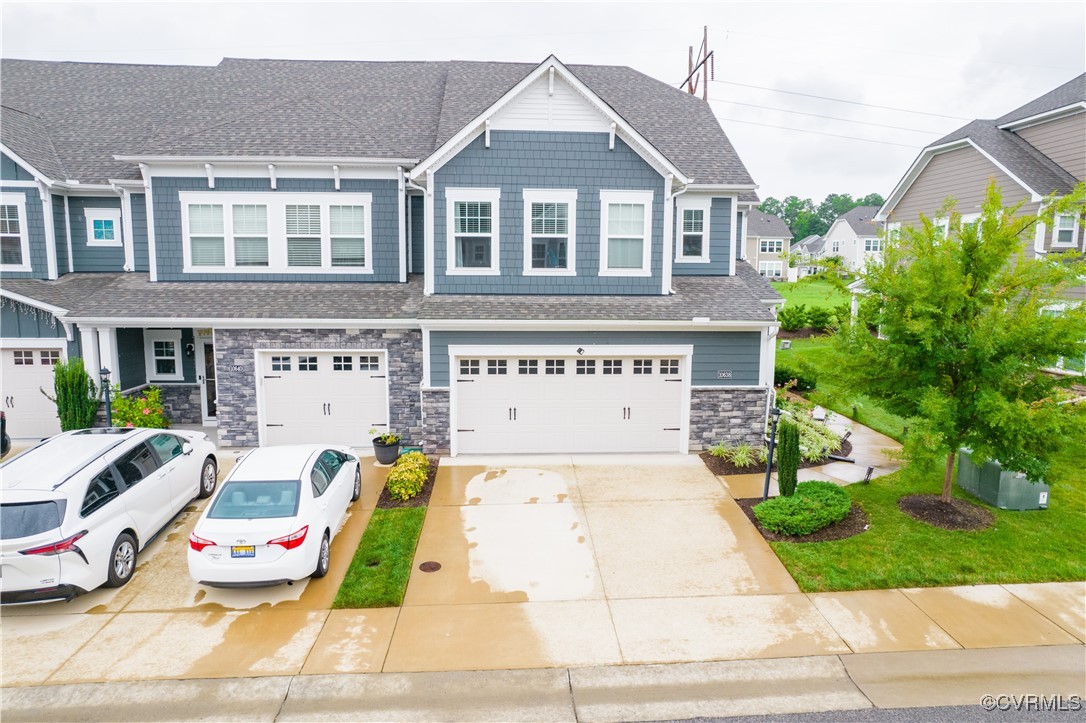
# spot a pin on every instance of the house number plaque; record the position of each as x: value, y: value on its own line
x: 724, y: 374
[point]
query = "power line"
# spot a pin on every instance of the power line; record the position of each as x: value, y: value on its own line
x: 819, y: 133
x: 828, y: 117
x: 840, y: 100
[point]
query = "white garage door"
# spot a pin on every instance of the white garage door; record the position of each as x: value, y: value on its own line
x: 26, y: 372
x: 569, y: 404
x: 325, y: 397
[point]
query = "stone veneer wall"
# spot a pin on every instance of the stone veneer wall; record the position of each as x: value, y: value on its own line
x: 182, y: 403
x: 235, y: 361
x: 435, y: 421
x: 733, y: 416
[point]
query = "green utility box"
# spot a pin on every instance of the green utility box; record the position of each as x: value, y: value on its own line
x: 999, y: 487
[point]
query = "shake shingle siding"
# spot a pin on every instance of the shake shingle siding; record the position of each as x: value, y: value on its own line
x: 532, y: 159
x: 35, y: 227
x: 93, y: 258
x: 139, y: 232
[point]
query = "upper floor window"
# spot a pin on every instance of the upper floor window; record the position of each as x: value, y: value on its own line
x: 625, y: 233
x: 281, y: 232
x: 771, y: 246
x: 14, y: 239
x: 472, y: 230
x: 103, y: 226
x: 1066, y: 230
x: 693, y: 244
x: 550, y: 232
x: 872, y: 245
x: 835, y: 247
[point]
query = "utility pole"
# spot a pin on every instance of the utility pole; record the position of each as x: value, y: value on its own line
x: 705, y: 62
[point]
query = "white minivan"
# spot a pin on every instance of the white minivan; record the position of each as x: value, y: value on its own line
x: 76, y: 510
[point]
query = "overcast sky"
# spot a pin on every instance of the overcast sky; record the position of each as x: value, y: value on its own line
x: 946, y: 62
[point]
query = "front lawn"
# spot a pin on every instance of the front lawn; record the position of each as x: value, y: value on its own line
x: 812, y: 294
x: 381, y: 566
x: 816, y: 352
x: 898, y: 551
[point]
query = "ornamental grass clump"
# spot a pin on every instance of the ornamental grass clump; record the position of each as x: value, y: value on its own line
x: 408, y: 475
x: 814, y: 506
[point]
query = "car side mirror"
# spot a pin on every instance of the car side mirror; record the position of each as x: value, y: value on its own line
x: 186, y: 448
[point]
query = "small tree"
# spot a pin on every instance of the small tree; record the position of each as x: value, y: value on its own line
x: 967, y: 324
x: 788, y: 458
x: 76, y: 396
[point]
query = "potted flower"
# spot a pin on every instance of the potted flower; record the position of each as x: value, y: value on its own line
x: 386, y: 446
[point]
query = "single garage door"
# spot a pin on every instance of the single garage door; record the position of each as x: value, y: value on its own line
x: 31, y: 415
x: 325, y: 397
x: 569, y: 404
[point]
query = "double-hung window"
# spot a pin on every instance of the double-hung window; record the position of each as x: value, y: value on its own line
x: 103, y: 226
x: 472, y: 223
x: 693, y: 227
x: 14, y: 239
x: 550, y: 232
x: 872, y: 245
x: 277, y: 232
x: 1065, y: 232
x: 163, y: 354
x: 625, y: 233
x: 771, y: 246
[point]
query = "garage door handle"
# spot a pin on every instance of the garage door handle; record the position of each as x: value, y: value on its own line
x: 673, y: 380
x: 273, y: 425
x: 672, y: 429
x: 267, y: 376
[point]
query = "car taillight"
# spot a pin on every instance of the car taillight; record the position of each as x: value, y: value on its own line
x: 294, y: 539
x: 56, y: 548
x: 198, y: 543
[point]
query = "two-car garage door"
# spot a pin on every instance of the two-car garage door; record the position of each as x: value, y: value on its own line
x: 330, y: 397
x: 539, y: 404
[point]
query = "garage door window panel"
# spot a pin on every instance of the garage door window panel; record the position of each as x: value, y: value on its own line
x: 369, y: 363
x: 23, y: 358
x: 529, y: 366
x: 586, y: 366
x: 497, y: 366
x: 280, y: 363
x: 469, y: 367
x: 669, y: 366
x: 342, y: 363
x: 612, y: 366
x: 556, y: 366
x: 49, y: 357
x: 307, y: 364
x: 14, y: 237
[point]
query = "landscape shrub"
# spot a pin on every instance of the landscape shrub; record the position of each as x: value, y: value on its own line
x: 76, y: 396
x: 408, y: 475
x: 743, y: 455
x: 842, y: 313
x: 139, y: 410
x: 814, y: 506
x: 793, y: 317
x: 805, y: 378
x: 821, y: 318
x: 720, y: 450
x: 788, y: 459
x: 815, y: 438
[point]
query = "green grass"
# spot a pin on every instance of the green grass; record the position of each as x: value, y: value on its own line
x: 381, y: 566
x: 816, y: 352
x: 815, y: 293
x: 898, y: 551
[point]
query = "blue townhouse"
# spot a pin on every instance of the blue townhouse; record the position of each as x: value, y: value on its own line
x: 482, y: 257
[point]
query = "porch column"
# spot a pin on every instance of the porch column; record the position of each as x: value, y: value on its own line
x: 107, y: 349
x: 92, y: 361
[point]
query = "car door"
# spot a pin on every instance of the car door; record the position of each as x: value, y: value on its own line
x: 340, y: 487
x: 103, y: 515
x: 147, y: 495
x: 182, y: 474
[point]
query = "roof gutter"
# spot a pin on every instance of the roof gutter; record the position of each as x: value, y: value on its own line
x: 282, y: 160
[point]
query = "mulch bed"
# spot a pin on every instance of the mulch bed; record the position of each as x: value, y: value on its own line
x: 800, y: 333
x: 719, y: 466
x: 854, y: 524
x: 957, y: 515
x: 387, y: 502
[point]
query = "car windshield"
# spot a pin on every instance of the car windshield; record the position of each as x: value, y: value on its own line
x: 256, y: 500
x: 33, y: 518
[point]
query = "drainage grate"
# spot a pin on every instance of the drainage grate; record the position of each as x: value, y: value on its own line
x: 430, y: 566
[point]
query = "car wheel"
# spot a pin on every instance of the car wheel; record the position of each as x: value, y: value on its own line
x: 357, y: 492
x: 122, y: 561
x: 324, y: 558
x: 209, y: 474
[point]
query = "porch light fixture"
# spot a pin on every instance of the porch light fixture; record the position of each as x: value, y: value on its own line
x: 776, y: 414
x: 104, y: 373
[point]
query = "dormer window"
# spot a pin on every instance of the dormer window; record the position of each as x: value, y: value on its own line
x: 693, y: 242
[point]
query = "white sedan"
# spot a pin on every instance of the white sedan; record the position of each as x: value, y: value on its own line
x: 274, y: 517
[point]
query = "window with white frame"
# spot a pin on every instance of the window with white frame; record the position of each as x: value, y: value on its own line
x: 103, y: 226
x: 872, y: 245
x: 693, y: 241
x: 280, y: 232
x: 893, y: 231
x: 162, y: 348
x: 1065, y: 232
x: 14, y: 238
x: 771, y: 269
x: 550, y: 232
x: 472, y: 231
x: 835, y: 247
x: 625, y: 233
x: 942, y: 227
x: 771, y: 246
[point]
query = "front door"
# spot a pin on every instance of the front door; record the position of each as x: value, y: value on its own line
x: 207, y: 380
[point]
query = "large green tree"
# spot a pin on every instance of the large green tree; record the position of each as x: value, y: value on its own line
x: 805, y: 219
x: 967, y: 323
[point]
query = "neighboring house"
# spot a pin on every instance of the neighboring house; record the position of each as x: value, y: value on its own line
x: 1031, y: 152
x: 855, y: 237
x: 767, y: 243
x: 482, y: 257
x: 810, y: 249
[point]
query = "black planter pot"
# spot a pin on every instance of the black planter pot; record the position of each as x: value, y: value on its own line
x: 386, y: 453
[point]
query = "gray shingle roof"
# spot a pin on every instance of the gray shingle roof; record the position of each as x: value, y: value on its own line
x: 812, y: 244
x: 859, y: 219
x: 31, y: 141
x: 134, y: 296
x: 766, y: 224
x: 757, y: 283
x: 320, y: 108
x: 1071, y: 92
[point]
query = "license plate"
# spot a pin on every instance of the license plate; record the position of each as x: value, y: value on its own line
x: 243, y: 551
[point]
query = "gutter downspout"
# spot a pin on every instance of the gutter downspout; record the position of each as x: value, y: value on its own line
x: 127, y: 232
x: 670, y: 204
